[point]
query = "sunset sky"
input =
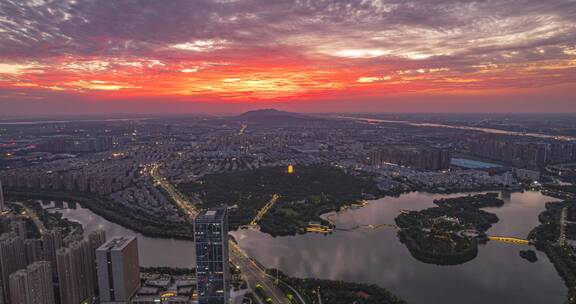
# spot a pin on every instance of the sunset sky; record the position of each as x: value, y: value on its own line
x: 143, y: 56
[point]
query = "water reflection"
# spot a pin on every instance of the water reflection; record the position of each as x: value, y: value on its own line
x: 497, y: 275
x: 152, y: 251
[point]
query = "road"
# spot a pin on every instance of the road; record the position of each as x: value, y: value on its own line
x: 242, y: 129
x: 256, y: 275
x: 252, y: 272
x: 563, y: 217
x: 265, y: 210
x: 32, y: 214
x: 183, y: 203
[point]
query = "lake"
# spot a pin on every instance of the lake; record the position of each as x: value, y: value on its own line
x: 497, y: 275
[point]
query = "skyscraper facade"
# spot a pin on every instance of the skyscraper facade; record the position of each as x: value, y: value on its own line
x: 1, y: 198
x: 51, y: 242
x: 96, y: 239
x: 33, y: 248
x: 12, y: 259
x: 75, y: 273
x: 18, y: 226
x: 118, y: 270
x: 18, y: 284
x: 32, y: 285
x: 211, y: 240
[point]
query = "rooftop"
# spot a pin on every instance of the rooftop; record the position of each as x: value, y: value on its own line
x: 117, y: 243
x: 212, y: 214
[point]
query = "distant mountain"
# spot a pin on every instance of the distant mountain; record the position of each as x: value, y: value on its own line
x: 272, y: 116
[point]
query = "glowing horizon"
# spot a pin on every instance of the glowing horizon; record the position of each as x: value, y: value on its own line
x: 511, y: 54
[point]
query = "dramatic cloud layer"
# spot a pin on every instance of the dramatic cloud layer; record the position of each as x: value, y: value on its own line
x: 279, y: 50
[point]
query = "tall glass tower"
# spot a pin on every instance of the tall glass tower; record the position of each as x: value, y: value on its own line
x: 212, y: 271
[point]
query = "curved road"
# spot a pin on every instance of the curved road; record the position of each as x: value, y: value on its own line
x: 252, y: 272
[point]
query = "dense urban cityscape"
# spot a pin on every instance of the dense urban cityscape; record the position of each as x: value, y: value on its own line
x: 280, y: 173
x: 287, y: 152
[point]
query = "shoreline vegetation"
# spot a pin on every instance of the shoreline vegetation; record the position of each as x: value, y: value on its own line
x: 543, y: 236
x: 548, y: 234
x: 335, y: 292
x: 450, y: 233
x: 305, y: 195
x: 103, y: 207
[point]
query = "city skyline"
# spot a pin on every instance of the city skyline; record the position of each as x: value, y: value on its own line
x: 287, y: 151
x: 272, y: 206
x: 86, y: 57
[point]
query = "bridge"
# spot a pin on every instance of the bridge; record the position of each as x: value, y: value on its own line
x: 506, y: 239
x: 370, y: 226
x: 264, y: 210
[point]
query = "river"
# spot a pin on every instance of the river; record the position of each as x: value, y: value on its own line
x: 497, y: 275
x: 468, y: 128
x: 152, y: 251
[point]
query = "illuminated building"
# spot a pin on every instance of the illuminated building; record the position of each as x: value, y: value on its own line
x: 211, y: 239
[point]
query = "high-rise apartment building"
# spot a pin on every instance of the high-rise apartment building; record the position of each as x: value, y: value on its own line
x: 118, y: 270
x: 51, y: 243
x: 12, y: 259
x: 32, y: 285
x: 96, y: 239
x: 1, y: 198
x: 211, y: 240
x: 18, y: 226
x: 75, y: 273
x: 33, y: 249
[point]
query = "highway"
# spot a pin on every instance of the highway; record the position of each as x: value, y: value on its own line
x: 251, y: 271
x: 254, y: 274
x: 181, y: 201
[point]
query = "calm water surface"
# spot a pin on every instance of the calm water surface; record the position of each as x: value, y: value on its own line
x: 497, y: 275
x: 152, y: 251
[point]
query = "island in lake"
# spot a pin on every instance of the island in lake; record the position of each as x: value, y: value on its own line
x: 450, y: 233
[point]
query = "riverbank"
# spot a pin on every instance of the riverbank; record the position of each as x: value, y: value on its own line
x: 156, y: 228
x: 555, y: 236
x: 376, y: 256
x: 336, y: 292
